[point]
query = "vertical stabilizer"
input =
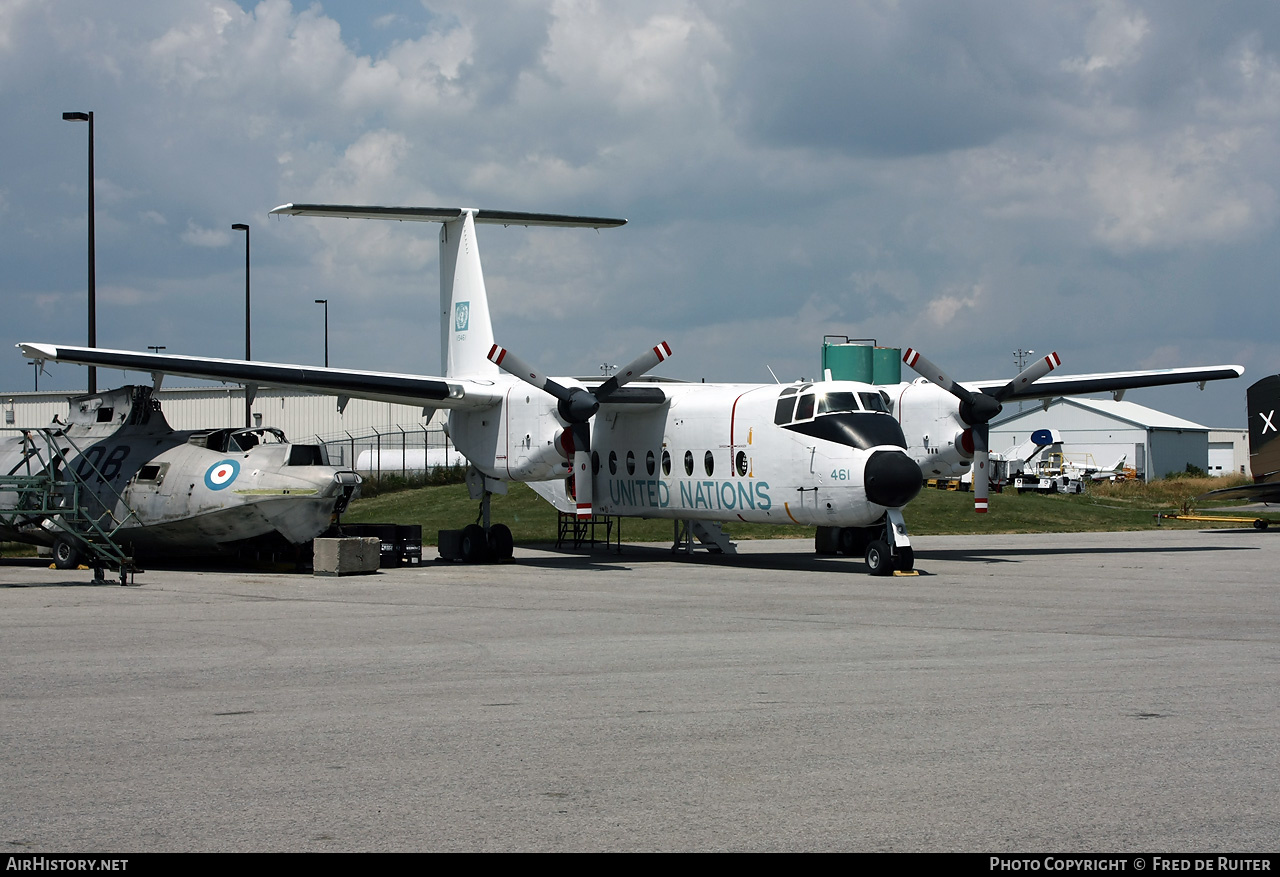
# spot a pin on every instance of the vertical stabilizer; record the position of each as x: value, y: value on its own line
x: 1264, y: 451
x: 466, y: 333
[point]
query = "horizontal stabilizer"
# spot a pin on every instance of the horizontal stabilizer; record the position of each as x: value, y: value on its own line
x: 448, y: 214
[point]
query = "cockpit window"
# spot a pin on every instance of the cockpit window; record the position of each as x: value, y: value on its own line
x: 786, y: 408
x: 805, y: 409
x: 238, y: 440
x: 833, y: 403
x: 873, y: 402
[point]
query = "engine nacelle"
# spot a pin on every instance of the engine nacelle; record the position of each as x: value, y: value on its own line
x: 937, y: 438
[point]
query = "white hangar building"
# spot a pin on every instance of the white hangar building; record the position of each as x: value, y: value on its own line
x: 1097, y: 432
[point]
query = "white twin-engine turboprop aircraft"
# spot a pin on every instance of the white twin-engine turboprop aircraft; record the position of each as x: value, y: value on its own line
x: 830, y: 454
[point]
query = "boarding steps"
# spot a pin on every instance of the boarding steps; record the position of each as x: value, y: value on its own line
x: 580, y: 532
x: 44, y: 490
x: 709, y: 533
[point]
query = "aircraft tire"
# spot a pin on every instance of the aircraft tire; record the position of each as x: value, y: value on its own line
x: 1260, y: 524
x: 474, y: 545
x: 501, y: 543
x: 906, y: 559
x: 827, y: 540
x: 854, y: 540
x: 879, y: 561
x: 66, y: 554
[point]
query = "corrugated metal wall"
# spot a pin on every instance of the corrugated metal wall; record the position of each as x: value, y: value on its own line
x: 300, y: 415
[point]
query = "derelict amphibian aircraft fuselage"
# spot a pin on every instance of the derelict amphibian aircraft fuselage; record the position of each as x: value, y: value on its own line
x: 166, y: 492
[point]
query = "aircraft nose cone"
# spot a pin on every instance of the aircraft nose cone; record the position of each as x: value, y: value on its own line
x: 892, y: 478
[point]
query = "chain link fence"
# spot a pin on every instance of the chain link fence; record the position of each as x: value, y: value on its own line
x: 395, y: 451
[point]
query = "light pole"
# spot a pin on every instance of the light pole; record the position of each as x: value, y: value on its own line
x: 325, y: 302
x: 93, y: 305
x: 36, y: 365
x: 1020, y: 357
x: 156, y: 348
x: 240, y: 226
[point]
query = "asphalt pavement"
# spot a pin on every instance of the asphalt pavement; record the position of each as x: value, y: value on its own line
x: 1098, y: 692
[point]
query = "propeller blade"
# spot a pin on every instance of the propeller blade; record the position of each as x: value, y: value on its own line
x: 981, y: 467
x: 975, y: 408
x: 927, y: 369
x: 514, y: 365
x: 1028, y: 376
x: 642, y: 363
x: 576, y: 404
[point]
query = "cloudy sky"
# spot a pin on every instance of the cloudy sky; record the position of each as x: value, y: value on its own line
x: 967, y: 178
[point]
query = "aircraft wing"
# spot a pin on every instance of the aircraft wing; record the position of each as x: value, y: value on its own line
x: 1052, y: 386
x: 429, y: 392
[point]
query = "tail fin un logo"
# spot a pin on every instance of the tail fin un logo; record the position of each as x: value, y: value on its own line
x: 461, y: 316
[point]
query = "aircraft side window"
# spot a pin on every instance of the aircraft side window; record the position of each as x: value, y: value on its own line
x: 666, y: 462
x: 786, y: 408
x: 688, y: 462
x: 804, y: 410
x: 631, y: 463
x: 709, y: 462
x: 613, y: 462
x: 649, y: 462
x: 740, y: 462
x: 305, y: 455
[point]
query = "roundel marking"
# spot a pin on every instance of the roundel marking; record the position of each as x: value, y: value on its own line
x: 221, y: 474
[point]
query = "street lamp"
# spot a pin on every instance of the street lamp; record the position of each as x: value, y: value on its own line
x: 325, y: 302
x: 36, y: 365
x: 93, y: 306
x: 240, y: 226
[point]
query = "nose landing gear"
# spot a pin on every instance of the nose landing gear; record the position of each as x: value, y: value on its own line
x: 885, y: 546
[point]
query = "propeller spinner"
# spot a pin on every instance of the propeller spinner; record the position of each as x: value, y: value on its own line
x: 577, y: 405
x: 979, y: 409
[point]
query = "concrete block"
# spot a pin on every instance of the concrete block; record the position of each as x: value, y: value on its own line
x: 346, y: 557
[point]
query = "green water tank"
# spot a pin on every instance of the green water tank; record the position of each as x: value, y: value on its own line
x: 886, y: 366
x: 847, y: 362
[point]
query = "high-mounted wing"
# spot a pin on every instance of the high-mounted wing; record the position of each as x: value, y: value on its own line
x: 402, y: 389
x: 1052, y: 386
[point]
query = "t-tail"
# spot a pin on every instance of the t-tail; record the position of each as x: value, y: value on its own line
x: 466, y: 332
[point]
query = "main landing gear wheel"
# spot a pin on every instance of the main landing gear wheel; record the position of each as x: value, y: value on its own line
x: 906, y: 559
x: 66, y: 554
x: 854, y: 540
x: 474, y: 544
x: 879, y: 561
x: 501, y: 544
